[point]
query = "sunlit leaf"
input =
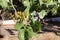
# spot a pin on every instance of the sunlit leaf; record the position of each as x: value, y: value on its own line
x: 18, y: 26
x: 41, y: 2
x: 52, y: 3
x: 59, y: 1
x: 32, y: 14
x: 4, y: 3
x: 48, y: 1
x: 26, y: 3
x: 30, y: 31
x: 21, y: 34
x: 42, y: 14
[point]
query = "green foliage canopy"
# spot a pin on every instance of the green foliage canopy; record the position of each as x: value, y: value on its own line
x: 32, y: 6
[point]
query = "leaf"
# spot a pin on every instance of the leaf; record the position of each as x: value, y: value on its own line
x: 41, y: 2
x: 42, y: 14
x: 21, y: 34
x: 30, y: 31
x: 26, y: 3
x: 58, y: 1
x: 36, y: 26
x: 54, y: 10
x: 32, y: 2
x: 32, y: 16
x: 4, y: 3
x: 18, y: 26
x: 48, y: 1
x: 52, y: 3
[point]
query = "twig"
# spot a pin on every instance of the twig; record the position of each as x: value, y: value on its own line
x: 13, y: 5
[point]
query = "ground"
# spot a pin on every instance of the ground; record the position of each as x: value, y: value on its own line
x: 41, y: 36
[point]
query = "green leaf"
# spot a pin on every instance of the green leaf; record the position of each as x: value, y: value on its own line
x: 32, y: 2
x: 21, y: 34
x: 32, y: 16
x: 52, y: 3
x: 54, y: 10
x: 36, y: 26
x: 48, y: 1
x: 18, y: 26
x: 41, y: 2
x: 30, y: 31
x: 4, y: 3
x: 26, y: 3
x: 42, y: 14
x: 58, y: 1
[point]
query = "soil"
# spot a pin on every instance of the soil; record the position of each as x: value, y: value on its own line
x: 45, y: 35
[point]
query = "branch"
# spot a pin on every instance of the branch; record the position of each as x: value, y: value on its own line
x: 13, y: 5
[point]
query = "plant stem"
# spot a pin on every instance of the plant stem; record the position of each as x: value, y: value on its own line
x: 13, y: 5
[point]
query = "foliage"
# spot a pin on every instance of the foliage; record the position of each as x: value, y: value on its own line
x: 26, y: 21
x: 4, y: 3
